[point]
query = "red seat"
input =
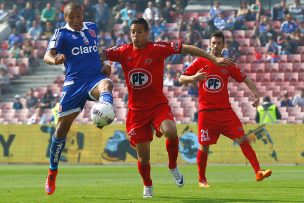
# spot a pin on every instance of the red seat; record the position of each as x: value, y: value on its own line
x: 271, y: 67
x: 242, y: 59
x: 245, y: 67
x: 249, y: 33
x: 239, y: 34
x: 250, y: 58
x: 190, y: 15
x: 244, y: 42
x: 9, y: 61
x: 300, y: 49
x: 291, y: 76
x: 250, y: 24
x: 277, y: 77
x: 294, y: 58
x: 283, y: 58
x: 285, y: 67
x: 298, y: 67
x: 258, y: 67
x: 261, y: 77
x: 301, y: 77
x: 171, y: 26
x: 247, y: 50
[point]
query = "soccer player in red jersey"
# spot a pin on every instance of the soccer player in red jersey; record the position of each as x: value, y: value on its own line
x: 143, y: 66
x: 215, y: 115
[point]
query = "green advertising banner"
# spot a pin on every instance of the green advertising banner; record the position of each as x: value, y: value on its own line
x: 274, y: 144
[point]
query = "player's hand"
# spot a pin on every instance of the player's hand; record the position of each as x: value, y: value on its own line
x: 102, y: 56
x: 223, y: 61
x: 106, y: 69
x: 200, y: 75
x: 59, y: 59
x: 256, y: 100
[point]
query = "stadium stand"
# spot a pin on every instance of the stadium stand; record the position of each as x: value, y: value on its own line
x: 273, y: 78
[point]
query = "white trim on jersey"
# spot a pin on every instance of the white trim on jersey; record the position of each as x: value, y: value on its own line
x: 61, y: 114
x: 84, y: 27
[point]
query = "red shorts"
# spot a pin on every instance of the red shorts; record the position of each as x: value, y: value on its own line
x: 140, y: 124
x: 213, y: 123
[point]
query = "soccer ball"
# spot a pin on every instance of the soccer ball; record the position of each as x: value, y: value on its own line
x: 102, y: 114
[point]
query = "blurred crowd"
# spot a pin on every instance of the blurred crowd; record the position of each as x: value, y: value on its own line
x: 274, y: 32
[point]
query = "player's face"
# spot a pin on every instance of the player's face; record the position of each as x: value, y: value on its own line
x: 216, y: 46
x: 74, y: 18
x: 138, y: 35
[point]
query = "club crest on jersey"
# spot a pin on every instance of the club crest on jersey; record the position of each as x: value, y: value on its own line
x: 92, y: 33
x: 74, y: 36
x: 148, y: 61
x: 139, y: 78
x: 213, y: 83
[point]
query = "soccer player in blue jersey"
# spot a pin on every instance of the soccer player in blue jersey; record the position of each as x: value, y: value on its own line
x: 76, y: 46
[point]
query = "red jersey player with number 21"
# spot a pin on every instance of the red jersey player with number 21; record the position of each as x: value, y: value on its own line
x: 143, y: 66
x: 215, y: 115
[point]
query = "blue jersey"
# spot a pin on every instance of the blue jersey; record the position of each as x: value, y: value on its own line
x: 80, y: 49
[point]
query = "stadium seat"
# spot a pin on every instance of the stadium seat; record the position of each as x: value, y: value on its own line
x: 171, y: 26
x: 245, y: 67
x: 294, y: 58
x: 242, y: 59
x: 190, y: 15
x: 227, y: 34
x: 271, y: 67
x: 250, y: 58
x: 277, y: 77
x: 301, y: 77
x: 244, y: 42
x: 285, y: 67
x: 298, y: 67
x: 9, y: 61
x: 262, y: 77
x: 300, y: 49
x: 250, y: 25
x: 41, y: 44
x: 239, y: 34
x: 177, y: 67
x: 258, y: 67
x: 249, y: 34
x: 283, y: 58
x: 23, y: 63
x: 247, y: 50
x: 291, y: 76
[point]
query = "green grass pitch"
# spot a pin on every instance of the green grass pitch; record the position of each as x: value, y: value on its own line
x: 25, y: 183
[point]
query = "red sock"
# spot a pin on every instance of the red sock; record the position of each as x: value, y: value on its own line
x: 250, y: 155
x: 144, y: 171
x: 201, y: 165
x: 172, y: 149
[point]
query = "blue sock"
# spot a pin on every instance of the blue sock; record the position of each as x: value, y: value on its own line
x: 56, y: 148
x: 106, y: 96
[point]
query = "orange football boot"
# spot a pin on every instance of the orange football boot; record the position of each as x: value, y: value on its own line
x: 261, y: 174
x: 203, y: 184
x: 50, y: 183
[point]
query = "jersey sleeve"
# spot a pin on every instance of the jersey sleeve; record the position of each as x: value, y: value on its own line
x: 115, y: 53
x: 193, y: 67
x: 165, y: 49
x: 236, y: 73
x: 56, y: 40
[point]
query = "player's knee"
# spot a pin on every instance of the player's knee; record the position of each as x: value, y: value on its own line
x: 241, y: 140
x: 170, y: 133
x: 144, y: 160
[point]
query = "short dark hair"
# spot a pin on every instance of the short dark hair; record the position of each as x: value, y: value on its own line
x: 70, y: 6
x: 218, y: 34
x: 140, y: 21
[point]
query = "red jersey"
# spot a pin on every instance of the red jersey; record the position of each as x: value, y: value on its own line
x: 213, y: 92
x: 144, y: 71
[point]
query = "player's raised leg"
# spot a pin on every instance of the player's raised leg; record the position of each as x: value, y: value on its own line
x: 144, y: 168
x: 168, y: 128
x: 202, y: 157
x: 57, y: 145
x: 103, y: 91
x: 249, y: 153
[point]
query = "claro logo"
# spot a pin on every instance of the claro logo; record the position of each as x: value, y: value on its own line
x: 84, y: 50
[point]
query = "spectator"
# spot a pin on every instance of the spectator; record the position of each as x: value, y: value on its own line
x: 168, y: 79
x: 47, y: 100
x: 168, y: 12
x: 157, y: 28
x: 288, y: 26
x: 298, y: 99
x: 102, y: 15
x: 296, y: 10
x: 215, y: 10
x: 39, y: 117
x: 14, y: 37
x: 297, y: 38
x: 48, y: 14
x: 116, y: 10
x: 230, y: 51
x: 267, y: 112
x: 284, y: 46
x: 286, y: 102
x: 243, y: 11
x: 14, y: 20
x: 279, y: 11
x: 220, y: 22
x: 27, y: 15
x: 105, y: 40
x: 55, y: 111
x: 31, y: 100
x: 272, y: 50
x: 17, y: 103
x: 35, y: 31
x: 5, y: 83
x: 47, y: 31
x: 150, y: 12
x: 256, y: 9
x: 3, y: 12
x: 15, y: 51
x: 88, y: 11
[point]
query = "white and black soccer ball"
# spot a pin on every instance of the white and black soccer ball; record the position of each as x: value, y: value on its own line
x: 102, y: 114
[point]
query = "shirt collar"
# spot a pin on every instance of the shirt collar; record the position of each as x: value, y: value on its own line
x: 84, y: 27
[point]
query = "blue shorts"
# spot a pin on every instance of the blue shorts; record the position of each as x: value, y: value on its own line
x: 75, y: 94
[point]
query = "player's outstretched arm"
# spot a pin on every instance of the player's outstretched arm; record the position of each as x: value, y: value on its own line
x: 186, y: 79
x: 52, y: 58
x: 250, y: 84
x: 195, y: 51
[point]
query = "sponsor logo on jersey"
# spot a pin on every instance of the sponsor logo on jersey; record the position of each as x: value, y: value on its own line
x: 213, y: 83
x: 139, y: 78
x: 84, y: 50
x: 74, y: 36
x: 92, y: 33
x: 224, y: 71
